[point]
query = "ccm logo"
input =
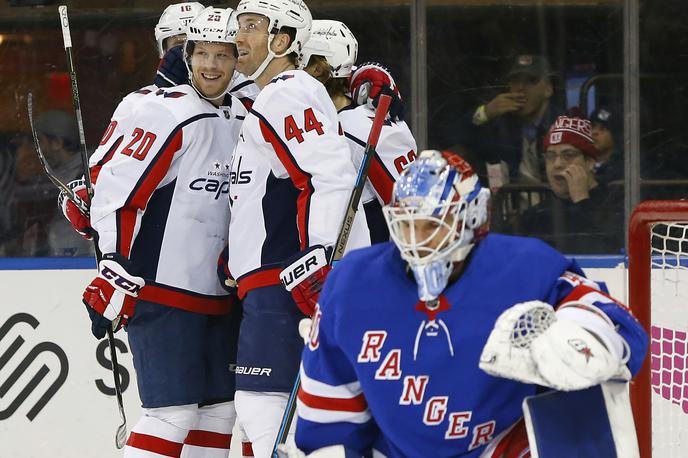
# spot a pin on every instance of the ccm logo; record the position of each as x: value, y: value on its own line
x: 27, y: 359
x: 299, y: 271
x: 120, y: 281
x: 210, y: 185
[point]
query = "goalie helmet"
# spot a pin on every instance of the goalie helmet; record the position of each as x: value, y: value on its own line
x: 334, y: 41
x: 212, y: 25
x: 173, y: 21
x: 437, y: 214
x: 280, y: 13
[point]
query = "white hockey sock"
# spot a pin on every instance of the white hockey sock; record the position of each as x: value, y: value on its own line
x: 246, y: 445
x: 260, y: 415
x: 212, y: 434
x: 161, y: 432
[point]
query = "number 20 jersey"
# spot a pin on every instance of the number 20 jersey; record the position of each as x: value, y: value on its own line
x: 161, y: 175
x: 291, y: 178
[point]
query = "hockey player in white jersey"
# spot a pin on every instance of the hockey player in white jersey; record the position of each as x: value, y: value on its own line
x: 330, y: 55
x: 428, y: 345
x: 161, y: 179
x: 291, y: 179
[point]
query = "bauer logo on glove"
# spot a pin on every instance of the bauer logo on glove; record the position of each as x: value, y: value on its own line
x: 300, y: 269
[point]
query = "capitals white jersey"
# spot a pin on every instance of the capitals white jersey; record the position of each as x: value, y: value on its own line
x: 292, y: 176
x: 161, y: 175
x: 395, y: 149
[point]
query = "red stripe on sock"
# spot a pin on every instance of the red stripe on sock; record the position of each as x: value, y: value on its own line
x: 200, y: 438
x: 155, y: 444
x: 246, y: 449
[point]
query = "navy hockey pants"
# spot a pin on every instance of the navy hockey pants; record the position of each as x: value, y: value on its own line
x: 182, y: 357
x: 269, y: 343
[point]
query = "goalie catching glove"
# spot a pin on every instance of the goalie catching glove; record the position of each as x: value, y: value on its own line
x: 304, y: 277
x: 79, y: 221
x: 572, y: 349
x: 111, y: 295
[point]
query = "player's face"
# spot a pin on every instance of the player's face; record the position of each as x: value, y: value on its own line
x: 251, y: 42
x: 536, y: 90
x: 430, y: 234
x: 602, y: 137
x: 212, y: 65
x: 175, y: 40
x: 561, y: 161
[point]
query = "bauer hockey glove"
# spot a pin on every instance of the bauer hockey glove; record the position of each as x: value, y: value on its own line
x: 111, y: 295
x: 369, y: 81
x: 305, y: 276
x: 78, y: 220
x: 172, y: 70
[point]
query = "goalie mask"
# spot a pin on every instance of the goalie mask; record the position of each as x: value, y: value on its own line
x: 437, y: 213
x: 174, y: 20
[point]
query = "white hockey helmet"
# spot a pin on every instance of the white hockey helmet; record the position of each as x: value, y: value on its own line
x: 442, y: 189
x: 211, y: 25
x: 334, y: 41
x: 280, y: 13
x: 173, y: 21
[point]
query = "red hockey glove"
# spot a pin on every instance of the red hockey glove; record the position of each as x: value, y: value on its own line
x: 111, y: 294
x: 305, y: 276
x: 369, y: 81
x: 76, y: 218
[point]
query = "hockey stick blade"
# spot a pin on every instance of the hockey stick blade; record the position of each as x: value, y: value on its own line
x: 83, y: 206
x: 342, y: 239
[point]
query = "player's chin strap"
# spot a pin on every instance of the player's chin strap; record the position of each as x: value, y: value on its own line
x: 532, y: 344
x: 271, y: 55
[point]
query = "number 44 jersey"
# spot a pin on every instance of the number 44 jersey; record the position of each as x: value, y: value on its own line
x: 161, y: 175
x: 291, y: 179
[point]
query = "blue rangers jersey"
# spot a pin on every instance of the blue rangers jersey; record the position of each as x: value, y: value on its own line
x: 381, y: 371
x: 161, y: 179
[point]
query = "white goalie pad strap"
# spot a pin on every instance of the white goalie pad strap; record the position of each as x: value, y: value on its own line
x: 530, y: 344
x: 303, y: 267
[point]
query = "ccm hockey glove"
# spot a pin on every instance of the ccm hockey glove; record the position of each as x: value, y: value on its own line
x: 305, y: 276
x: 111, y: 294
x: 78, y: 220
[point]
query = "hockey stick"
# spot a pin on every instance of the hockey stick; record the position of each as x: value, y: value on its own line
x: 121, y: 434
x: 340, y: 244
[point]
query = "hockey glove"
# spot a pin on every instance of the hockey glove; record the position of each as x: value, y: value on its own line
x: 74, y: 215
x: 369, y: 81
x: 223, y: 273
x: 533, y: 344
x: 172, y: 70
x: 305, y: 276
x: 111, y: 295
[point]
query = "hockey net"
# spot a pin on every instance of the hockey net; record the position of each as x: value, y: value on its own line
x: 658, y: 294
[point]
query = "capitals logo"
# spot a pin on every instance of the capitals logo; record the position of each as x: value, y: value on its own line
x: 215, y: 182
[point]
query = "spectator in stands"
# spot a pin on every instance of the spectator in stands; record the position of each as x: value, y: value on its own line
x: 607, y: 134
x: 581, y: 215
x: 506, y: 132
x: 38, y: 228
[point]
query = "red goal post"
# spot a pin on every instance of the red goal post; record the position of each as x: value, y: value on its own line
x: 640, y: 259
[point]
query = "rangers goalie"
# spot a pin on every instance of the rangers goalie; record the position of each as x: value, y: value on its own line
x: 428, y: 345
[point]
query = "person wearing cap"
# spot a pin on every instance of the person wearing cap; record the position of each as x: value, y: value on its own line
x: 606, y: 133
x: 581, y: 215
x: 505, y: 131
